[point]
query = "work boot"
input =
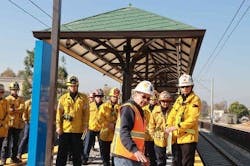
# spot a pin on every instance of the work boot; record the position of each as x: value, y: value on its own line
x: 2, y: 162
x: 15, y: 160
x: 19, y: 156
x: 85, y: 162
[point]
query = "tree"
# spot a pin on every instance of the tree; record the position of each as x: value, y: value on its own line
x: 8, y: 73
x: 27, y: 74
x: 238, y: 109
x: 221, y: 105
x: 62, y: 76
x: 204, y: 109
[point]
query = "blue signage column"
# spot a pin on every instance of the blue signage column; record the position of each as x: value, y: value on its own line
x: 40, y: 97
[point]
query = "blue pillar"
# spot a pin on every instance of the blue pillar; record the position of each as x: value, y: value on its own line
x: 40, y: 104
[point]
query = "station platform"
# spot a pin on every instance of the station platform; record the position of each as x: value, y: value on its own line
x: 95, y: 159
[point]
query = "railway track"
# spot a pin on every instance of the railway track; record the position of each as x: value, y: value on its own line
x: 216, y: 151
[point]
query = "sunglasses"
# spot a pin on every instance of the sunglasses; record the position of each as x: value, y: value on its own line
x: 185, y: 86
x: 165, y: 101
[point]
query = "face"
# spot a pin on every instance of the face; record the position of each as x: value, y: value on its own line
x: 14, y: 92
x: 165, y: 103
x: 92, y: 98
x: 141, y: 99
x: 114, y: 99
x: 153, y: 101
x: 186, y: 90
x: 73, y: 88
x: 98, y: 99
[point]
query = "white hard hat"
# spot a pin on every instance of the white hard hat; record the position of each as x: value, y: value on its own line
x: 185, y: 80
x: 145, y: 87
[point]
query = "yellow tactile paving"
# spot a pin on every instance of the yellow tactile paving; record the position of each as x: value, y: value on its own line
x: 197, y: 161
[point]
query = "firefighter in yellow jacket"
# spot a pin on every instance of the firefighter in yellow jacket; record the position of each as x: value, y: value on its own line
x: 16, y: 108
x: 128, y: 143
x: 71, y: 122
x: 183, y: 121
x: 149, y: 141
x: 157, y: 125
x: 94, y: 125
x: 26, y: 118
x: 4, y: 109
x: 107, y: 118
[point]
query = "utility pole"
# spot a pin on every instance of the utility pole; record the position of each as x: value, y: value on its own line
x: 212, y: 105
x: 55, y: 35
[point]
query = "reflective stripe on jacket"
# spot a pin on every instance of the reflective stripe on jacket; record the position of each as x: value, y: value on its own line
x: 184, y: 115
x: 107, y: 118
x: 157, y: 125
x: 15, y: 117
x: 77, y: 109
x: 137, y: 135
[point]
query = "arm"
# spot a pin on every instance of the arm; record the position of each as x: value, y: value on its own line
x: 127, y: 117
x: 59, y: 118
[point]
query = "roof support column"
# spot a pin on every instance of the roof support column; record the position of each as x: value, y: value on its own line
x: 178, y: 53
x: 127, y: 73
x: 147, y: 58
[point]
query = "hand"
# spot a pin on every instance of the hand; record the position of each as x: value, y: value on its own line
x: 140, y: 157
x: 59, y: 131
x: 170, y: 129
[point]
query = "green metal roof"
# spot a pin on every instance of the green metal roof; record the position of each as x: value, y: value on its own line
x: 125, y: 19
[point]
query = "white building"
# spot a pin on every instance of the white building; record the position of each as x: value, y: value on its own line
x: 7, y: 80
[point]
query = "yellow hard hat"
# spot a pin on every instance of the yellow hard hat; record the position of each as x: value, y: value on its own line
x: 164, y: 95
x: 73, y: 80
x: 114, y: 92
x: 14, y: 86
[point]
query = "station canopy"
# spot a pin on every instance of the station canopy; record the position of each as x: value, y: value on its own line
x: 130, y: 45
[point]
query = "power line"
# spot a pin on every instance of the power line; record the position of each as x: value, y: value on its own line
x: 230, y: 34
x: 25, y: 11
x: 221, y: 38
x: 37, y: 6
x: 33, y: 3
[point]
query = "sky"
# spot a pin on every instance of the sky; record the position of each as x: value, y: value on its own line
x: 226, y: 63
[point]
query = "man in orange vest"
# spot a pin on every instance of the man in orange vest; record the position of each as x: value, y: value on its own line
x: 128, y: 142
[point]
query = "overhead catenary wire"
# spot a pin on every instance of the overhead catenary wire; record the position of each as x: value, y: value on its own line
x: 25, y: 11
x: 36, y: 18
x: 37, y: 6
x: 220, y: 40
x: 225, y: 41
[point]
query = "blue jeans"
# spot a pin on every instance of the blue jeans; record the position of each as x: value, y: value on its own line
x: 24, y: 142
x: 89, y: 142
x: 120, y: 161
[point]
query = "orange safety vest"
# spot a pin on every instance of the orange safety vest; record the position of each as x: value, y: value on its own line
x: 137, y: 135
